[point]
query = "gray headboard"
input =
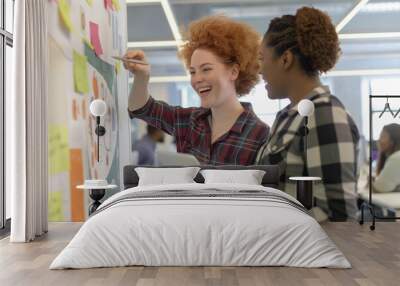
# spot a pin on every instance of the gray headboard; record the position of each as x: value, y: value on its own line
x: 270, y: 179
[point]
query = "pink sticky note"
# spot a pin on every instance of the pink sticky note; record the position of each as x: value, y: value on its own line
x: 94, y: 38
x: 108, y: 4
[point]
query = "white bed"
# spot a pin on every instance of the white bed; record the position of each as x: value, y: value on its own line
x: 183, y: 230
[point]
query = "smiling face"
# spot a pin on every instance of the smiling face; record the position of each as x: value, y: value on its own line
x: 274, y: 72
x: 211, y: 78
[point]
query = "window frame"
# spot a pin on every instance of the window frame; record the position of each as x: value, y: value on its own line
x: 6, y: 39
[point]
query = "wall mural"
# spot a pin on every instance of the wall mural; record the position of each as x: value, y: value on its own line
x: 83, y: 37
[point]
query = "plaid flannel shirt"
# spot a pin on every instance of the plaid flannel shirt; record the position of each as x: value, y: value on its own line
x: 192, y: 130
x: 331, y: 152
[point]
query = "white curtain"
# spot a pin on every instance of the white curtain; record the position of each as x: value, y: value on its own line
x: 26, y: 120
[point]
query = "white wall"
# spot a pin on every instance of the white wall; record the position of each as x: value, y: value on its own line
x: 73, y: 158
x: 349, y: 91
x: 159, y: 91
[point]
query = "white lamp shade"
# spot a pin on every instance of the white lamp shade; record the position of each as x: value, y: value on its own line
x: 305, y: 107
x: 98, y: 107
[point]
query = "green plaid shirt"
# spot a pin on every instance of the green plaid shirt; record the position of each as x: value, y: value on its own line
x: 331, y: 152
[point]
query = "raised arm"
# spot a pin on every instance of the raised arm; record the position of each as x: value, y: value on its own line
x: 138, y: 95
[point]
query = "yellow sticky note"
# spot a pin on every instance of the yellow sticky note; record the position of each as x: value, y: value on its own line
x: 86, y: 41
x: 117, y: 67
x: 64, y: 11
x: 90, y: 2
x: 116, y: 5
x: 81, y: 81
x: 58, y: 149
x: 55, y: 210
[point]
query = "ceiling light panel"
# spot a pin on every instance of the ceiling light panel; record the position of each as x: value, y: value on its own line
x: 372, y: 19
x: 164, y: 62
x: 148, y: 23
x: 256, y: 13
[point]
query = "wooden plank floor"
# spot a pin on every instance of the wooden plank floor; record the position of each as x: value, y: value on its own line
x: 375, y: 257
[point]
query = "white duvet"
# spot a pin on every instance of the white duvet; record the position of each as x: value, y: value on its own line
x: 202, y: 231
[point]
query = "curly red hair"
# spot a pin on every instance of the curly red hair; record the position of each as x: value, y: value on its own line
x: 233, y: 41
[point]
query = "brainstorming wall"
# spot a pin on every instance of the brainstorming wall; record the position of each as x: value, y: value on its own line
x: 83, y: 37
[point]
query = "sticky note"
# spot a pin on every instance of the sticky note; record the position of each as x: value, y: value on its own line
x: 76, y: 178
x: 84, y: 111
x: 81, y: 81
x: 58, y: 149
x: 55, y: 210
x: 75, y: 110
x: 83, y: 20
x: 64, y: 11
x: 86, y: 41
x: 116, y: 5
x: 95, y: 87
x: 108, y: 4
x: 117, y: 67
x: 90, y: 2
x: 95, y: 39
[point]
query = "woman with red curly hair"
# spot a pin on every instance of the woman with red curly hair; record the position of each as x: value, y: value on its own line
x: 220, y: 55
x: 296, y: 49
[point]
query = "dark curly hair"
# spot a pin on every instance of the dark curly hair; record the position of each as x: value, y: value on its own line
x: 311, y: 37
x: 393, y: 130
x: 234, y: 42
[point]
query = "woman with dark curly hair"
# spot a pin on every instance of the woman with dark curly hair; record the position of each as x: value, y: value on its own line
x: 387, y: 171
x: 296, y: 49
x: 220, y: 55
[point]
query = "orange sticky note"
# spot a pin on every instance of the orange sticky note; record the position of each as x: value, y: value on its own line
x: 95, y: 87
x: 75, y: 111
x: 84, y: 109
x: 76, y: 178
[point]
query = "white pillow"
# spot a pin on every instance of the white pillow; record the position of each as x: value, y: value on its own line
x: 248, y: 177
x: 165, y: 176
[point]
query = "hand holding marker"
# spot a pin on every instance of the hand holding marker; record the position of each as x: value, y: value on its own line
x: 135, y: 61
x: 130, y: 60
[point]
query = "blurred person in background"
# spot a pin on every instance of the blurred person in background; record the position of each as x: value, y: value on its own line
x: 146, y: 146
x: 387, y: 170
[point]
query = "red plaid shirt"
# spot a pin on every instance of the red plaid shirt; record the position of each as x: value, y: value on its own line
x: 192, y: 131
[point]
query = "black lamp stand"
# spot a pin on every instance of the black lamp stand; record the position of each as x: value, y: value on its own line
x: 96, y: 195
x: 100, y: 131
x: 304, y: 185
x: 304, y: 133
